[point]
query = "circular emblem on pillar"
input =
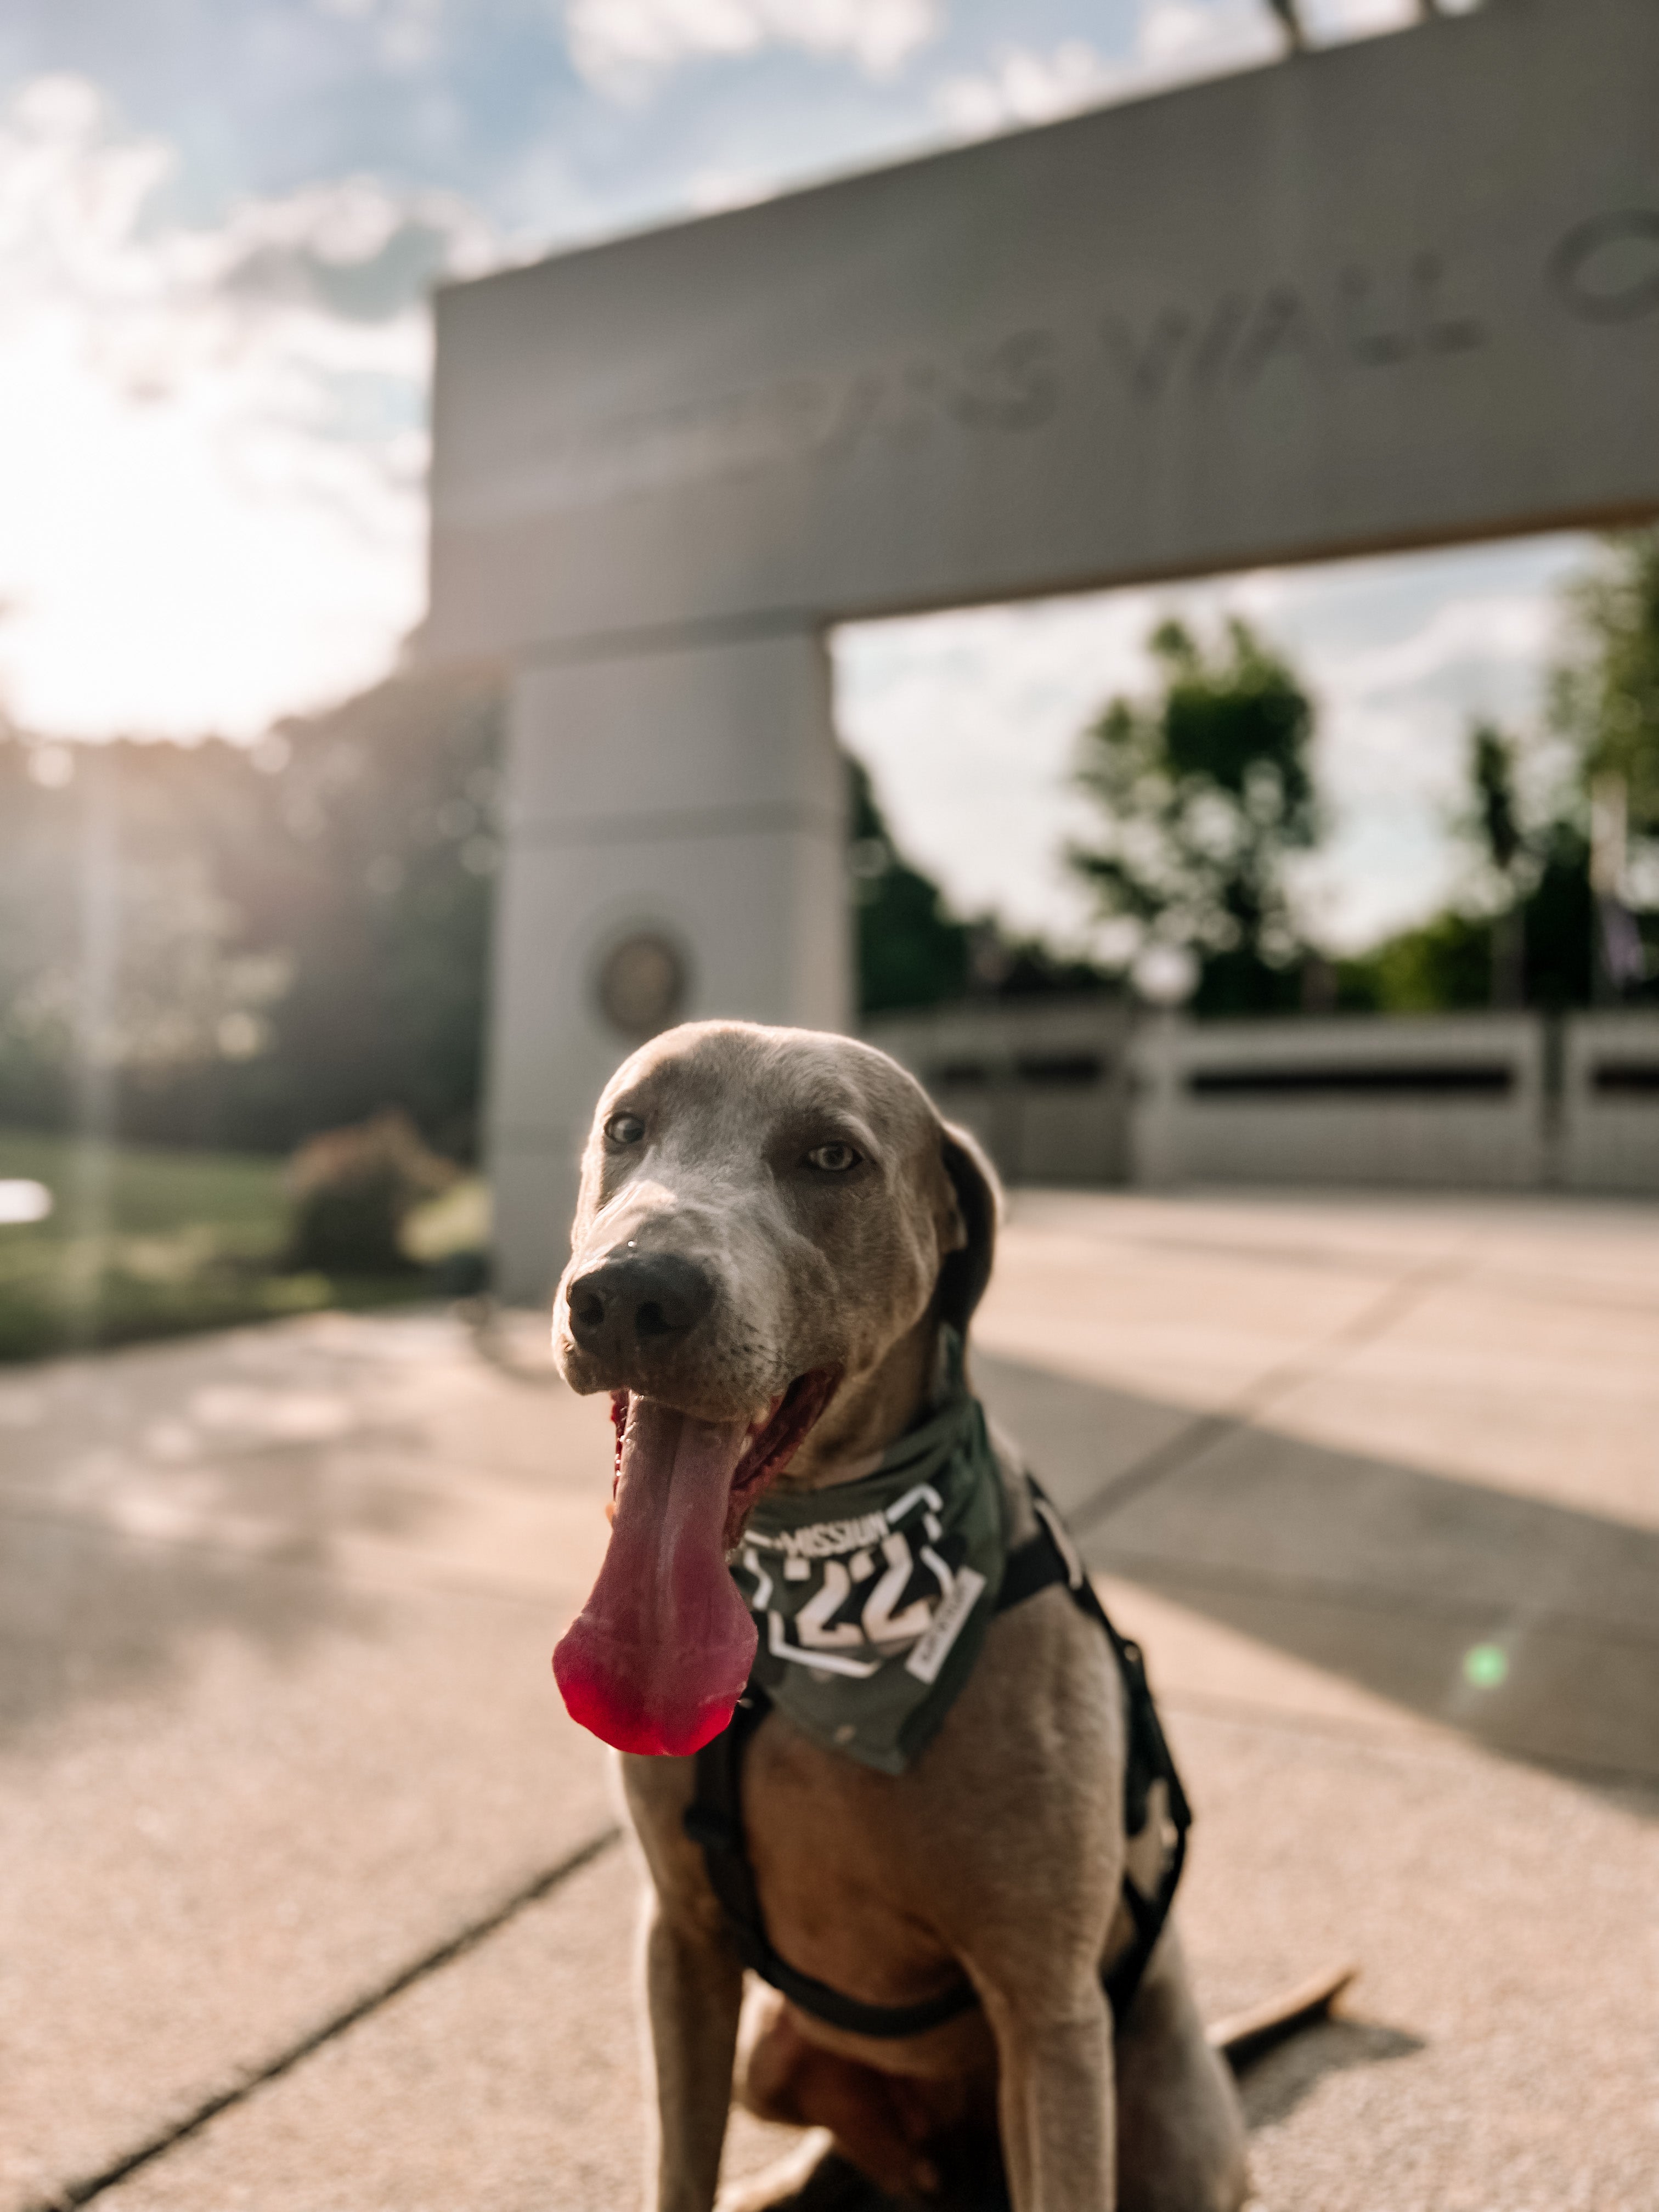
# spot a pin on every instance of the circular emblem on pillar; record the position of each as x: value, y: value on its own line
x: 1608, y: 269
x: 642, y: 983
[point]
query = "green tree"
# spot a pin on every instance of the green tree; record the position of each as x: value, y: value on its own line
x: 1494, y: 822
x: 1445, y: 965
x: 254, y: 947
x: 1492, y: 772
x: 1607, y: 691
x: 123, y: 968
x: 1606, y: 702
x: 1442, y: 965
x: 1558, y: 923
x: 1522, y: 933
x: 910, y: 950
x: 380, y: 886
x: 1205, y: 792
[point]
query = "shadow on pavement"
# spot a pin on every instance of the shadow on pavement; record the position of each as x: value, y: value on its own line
x: 1272, y: 2086
x: 1531, y: 1627
x: 86, y: 1614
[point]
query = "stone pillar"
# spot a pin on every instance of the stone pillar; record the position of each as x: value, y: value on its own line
x: 676, y: 826
x: 1156, y: 1102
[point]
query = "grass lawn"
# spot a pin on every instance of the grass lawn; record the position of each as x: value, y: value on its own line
x: 143, y: 1242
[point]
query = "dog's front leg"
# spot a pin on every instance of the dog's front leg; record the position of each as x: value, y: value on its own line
x: 1056, y: 2103
x: 694, y: 1991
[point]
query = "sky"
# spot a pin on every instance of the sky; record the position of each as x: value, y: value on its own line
x: 219, y: 220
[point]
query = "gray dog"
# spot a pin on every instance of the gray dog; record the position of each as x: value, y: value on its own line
x: 916, y: 1827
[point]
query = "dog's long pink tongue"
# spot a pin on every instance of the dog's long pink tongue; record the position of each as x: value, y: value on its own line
x: 659, y: 1656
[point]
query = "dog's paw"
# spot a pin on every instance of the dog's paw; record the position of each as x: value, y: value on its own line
x: 813, y: 2177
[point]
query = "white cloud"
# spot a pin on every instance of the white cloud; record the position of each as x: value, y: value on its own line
x: 1330, y: 21
x: 1174, y: 40
x: 623, y: 44
x: 712, y: 192
x: 1483, y: 628
x: 211, y: 440
x: 1191, y: 35
x: 1022, y: 86
x: 405, y: 32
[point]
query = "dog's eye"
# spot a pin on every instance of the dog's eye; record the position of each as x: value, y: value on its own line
x: 834, y: 1159
x: 624, y: 1129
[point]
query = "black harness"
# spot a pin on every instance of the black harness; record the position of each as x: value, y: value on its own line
x: 714, y: 1819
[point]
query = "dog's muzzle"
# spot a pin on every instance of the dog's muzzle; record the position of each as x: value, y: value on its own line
x: 636, y: 1308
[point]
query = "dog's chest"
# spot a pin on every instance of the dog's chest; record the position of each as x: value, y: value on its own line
x: 848, y: 1867
x: 879, y: 1884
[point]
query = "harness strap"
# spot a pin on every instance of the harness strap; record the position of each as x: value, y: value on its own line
x: 714, y: 1820
x: 1147, y: 1757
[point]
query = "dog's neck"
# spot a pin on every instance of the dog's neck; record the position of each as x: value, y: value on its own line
x: 870, y: 1412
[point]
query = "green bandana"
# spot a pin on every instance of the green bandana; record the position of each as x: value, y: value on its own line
x: 872, y: 1597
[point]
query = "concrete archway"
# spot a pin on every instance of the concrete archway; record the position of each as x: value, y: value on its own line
x: 1397, y: 294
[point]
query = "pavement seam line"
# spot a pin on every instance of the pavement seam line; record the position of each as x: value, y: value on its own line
x: 77, y: 2193
x: 1416, y: 1737
x: 1191, y: 1443
x: 1157, y: 1572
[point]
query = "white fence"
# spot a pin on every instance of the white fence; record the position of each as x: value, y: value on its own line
x: 1044, y: 1087
x: 1454, y: 1101
x: 1080, y: 1091
x: 1610, y: 1102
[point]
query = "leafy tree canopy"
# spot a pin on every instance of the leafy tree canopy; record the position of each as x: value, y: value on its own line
x: 910, y: 950
x: 243, y: 948
x: 1531, y: 929
x: 1497, y: 807
x: 1205, y: 791
x: 1458, y: 959
x: 1606, y: 693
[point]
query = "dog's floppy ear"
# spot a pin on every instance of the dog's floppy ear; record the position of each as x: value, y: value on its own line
x: 966, y: 1270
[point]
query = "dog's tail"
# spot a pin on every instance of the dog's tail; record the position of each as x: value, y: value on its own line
x: 1243, y: 2036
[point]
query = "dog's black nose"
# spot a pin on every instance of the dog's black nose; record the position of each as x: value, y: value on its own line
x: 638, y: 1301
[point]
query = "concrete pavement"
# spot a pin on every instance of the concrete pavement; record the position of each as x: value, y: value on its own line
x: 1375, y: 1482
